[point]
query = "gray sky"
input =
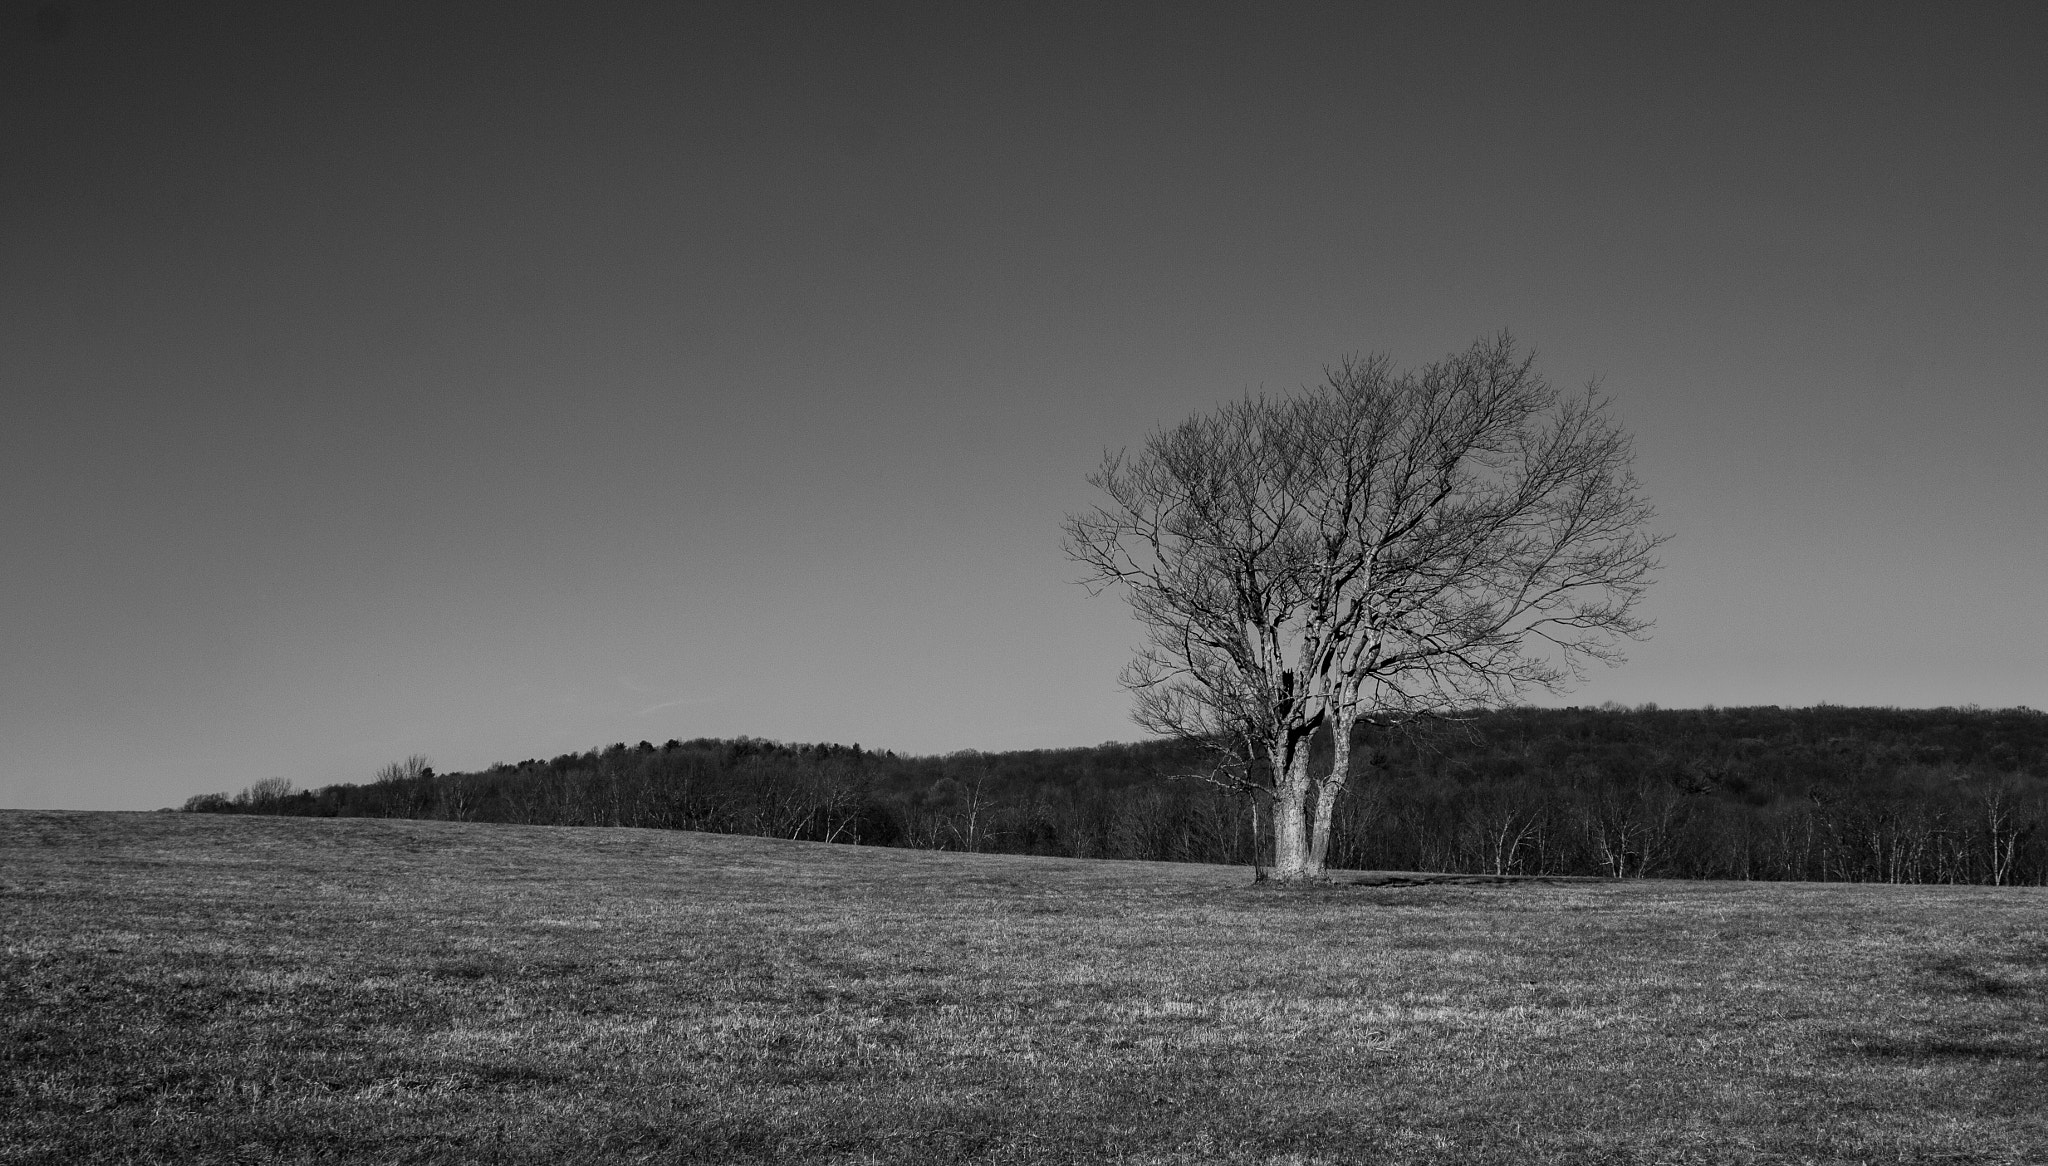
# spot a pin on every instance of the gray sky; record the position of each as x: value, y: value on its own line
x: 496, y: 381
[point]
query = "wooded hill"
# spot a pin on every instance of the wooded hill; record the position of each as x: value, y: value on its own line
x: 1824, y: 793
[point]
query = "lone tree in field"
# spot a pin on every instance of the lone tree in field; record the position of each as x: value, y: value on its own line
x: 1375, y: 549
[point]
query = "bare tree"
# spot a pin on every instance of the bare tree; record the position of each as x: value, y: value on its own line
x: 1379, y: 548
x: 406, y: 783
x: 2005, y: 826
x: 266, y: 796
x: 974, y: 803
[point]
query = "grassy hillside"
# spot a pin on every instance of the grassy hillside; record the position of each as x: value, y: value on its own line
x: 178, y: 987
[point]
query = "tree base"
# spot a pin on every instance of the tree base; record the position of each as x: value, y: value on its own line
x: 1298, y: 878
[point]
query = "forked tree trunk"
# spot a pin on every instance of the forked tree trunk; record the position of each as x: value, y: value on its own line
x: 1304, y: 811
x: 1292, y: 855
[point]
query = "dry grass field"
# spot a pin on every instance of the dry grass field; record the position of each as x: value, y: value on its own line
x: 193, y: 988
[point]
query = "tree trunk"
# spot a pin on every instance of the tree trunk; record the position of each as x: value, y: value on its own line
x: 1293, y: 859
x: 1326, y: 799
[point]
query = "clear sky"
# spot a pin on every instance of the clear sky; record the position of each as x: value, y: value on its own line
x: 495, y: 380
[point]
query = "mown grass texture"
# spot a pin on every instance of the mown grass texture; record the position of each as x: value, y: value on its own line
x: 197, y: 988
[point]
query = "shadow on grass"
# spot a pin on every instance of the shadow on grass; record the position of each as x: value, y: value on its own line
x: 1433, y: 879
x: 1961, y: 977
x: 1948, y: 1050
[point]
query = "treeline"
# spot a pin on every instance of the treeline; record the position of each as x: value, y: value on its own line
x: 1824, y: 794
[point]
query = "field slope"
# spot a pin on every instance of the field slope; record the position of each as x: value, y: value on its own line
x: 200, y: 988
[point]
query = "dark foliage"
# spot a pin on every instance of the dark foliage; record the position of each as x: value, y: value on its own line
x: 1825, y: 793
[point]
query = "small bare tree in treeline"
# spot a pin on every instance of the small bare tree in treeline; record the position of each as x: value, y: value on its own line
x: 411, y: 769
x: 410, y: 782
x: 2006, y: 824
x: 1380, y: 548
x: 266, y: 796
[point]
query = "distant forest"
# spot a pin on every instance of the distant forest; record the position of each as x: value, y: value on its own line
x: 1822, y: 794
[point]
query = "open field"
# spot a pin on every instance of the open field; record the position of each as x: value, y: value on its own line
x: 201, y: 988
